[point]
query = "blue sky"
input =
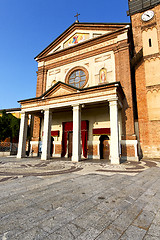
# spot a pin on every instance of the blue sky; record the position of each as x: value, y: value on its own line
x: 28, y: 26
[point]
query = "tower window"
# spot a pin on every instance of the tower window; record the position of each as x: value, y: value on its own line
x: 150, y: 42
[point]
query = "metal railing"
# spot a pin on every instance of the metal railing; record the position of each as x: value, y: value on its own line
x: 9, y: 147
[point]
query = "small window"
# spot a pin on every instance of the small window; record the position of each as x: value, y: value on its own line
x: 150, y: 42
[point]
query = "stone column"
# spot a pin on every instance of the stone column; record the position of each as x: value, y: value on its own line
x: 46, y: 145
x: 114, y: 145
x: 22, y: 136
x: 76, y: 141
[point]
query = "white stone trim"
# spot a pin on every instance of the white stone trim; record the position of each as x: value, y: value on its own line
x: 56, y: 155
x: 131, y: 143
x: 72, y: 103
x: 31, y: 147
x: 34, y: 142
x: 126, y: 158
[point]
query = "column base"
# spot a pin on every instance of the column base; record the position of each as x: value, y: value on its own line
x: 19, y: 156
x: 76, y: 159
x: 34, y: 148
x: 45, y: 157
x: 126, y: 158
x: 115, y: 160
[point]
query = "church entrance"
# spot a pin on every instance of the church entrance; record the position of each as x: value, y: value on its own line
x: 67, y: 138
x: 70, y: 137
x: 104, y: 147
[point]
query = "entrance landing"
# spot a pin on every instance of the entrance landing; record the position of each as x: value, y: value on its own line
x: 85, y: 204
x: 11, y: 167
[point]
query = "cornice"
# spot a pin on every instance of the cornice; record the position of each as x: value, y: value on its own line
x: 151, y: 57
x: 123, y: 45
x: 78, y: 91
x: 153, y: 88
x: 83, y: 45
x: 42, y: 71
x: 148, y: 26
x: 80, y: 26
x: 92, y: 53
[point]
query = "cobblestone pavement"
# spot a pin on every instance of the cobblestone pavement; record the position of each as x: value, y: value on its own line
x: 86, y: 200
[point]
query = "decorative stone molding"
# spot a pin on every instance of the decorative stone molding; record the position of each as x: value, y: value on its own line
x: 152, y: 57
x: 153, y: 88
x: 148, y: 26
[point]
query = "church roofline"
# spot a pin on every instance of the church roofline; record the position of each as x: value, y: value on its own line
x: 78, y: 89
x: 10, y: 110
x: 138, y: 6
x: 73, y: 27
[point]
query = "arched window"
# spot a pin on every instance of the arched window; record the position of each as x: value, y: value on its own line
x: 77, y: 77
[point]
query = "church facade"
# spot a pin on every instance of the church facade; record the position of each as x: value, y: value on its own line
x: 91, y: 82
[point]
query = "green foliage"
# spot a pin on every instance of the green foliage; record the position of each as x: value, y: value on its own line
x: 9, y: 126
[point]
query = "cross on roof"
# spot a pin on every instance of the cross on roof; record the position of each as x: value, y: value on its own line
x: 77, y: 17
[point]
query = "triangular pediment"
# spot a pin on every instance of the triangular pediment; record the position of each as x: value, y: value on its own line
x: 78, y: 33
x: 59, y: 89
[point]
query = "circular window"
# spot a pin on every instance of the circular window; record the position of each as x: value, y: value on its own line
x: 77, y: 77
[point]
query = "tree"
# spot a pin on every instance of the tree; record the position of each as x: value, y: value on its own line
x: 9, y: 126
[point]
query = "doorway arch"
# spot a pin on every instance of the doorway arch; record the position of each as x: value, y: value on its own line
x: 104, y: 147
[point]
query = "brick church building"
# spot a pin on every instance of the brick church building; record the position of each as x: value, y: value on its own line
x: 98, y: 91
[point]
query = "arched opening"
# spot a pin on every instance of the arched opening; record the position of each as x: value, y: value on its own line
x: 70, y: 137
x: 52, y: 149
x: 104, y: 147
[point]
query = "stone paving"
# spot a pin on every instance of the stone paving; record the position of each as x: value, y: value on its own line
x: 84, y: 201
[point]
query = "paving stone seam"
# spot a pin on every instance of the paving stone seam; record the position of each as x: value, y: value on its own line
x: 145, y: 186
x: 89, y: 198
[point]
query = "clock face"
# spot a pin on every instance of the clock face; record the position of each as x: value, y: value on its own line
x: 148, y: 15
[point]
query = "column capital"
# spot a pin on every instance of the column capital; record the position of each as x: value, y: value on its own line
x: 46, y: 109
x: 24, y: 112
x: 76, y: 107
x: 113, y: 101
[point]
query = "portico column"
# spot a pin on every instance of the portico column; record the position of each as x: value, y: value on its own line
x: 114, y: 145
x: 22, y: 136
x: 46, y: 145
x: 76, y: 141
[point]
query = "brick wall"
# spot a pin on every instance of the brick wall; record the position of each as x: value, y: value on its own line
x: 149, y: 131
x: 58, y: 149
x: 41, y: 87
x: 123, y: 74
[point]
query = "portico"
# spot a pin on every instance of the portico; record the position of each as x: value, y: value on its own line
x: 75, y: 99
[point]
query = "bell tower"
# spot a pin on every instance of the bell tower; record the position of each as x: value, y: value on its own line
x: 145, y: 19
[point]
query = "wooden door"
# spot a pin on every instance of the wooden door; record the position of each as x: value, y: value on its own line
x: 70, y: 136
x: 106, y: 149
